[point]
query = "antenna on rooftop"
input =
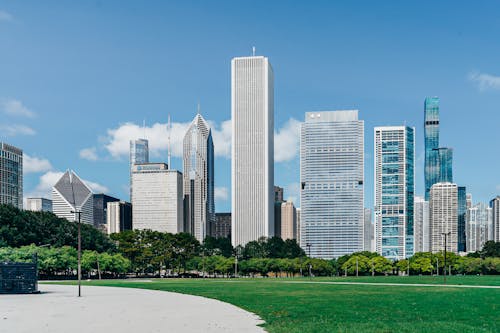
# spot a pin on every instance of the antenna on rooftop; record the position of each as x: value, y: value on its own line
x: 169, y: 129
x: 253, y: 51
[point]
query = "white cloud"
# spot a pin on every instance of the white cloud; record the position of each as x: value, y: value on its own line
x: 221, y: 193
x: 287, y: 141
x: 14, y: 107
x: 221, y: 136
x: 5, y: 16
x: 13, y: 130
x: 89, y: 154
x: 96, y: 187
x: 35, y: 164
x: 485, y: 81
x: 292, y: 193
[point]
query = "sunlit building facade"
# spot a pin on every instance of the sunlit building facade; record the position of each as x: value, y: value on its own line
x: 443, y: 208
x: 11, y: 175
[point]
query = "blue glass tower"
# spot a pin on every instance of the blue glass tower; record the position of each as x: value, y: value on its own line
x: 431, y: 110
x: 462, y: 211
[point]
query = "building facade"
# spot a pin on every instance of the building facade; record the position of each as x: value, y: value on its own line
x: 39, y: 204
x: 278, y: 194
x: 157, y: 198
x: 139, y: 153
x: 332, y: 178
x: 479, y: 226
x: 297, y: 210
x: 71, y: 195
x: 421, y: 225
x: 11, y: 175
x: 288, y: 221
x: 495, y: 211
x: 100, y: 202
x: 252, y: 162
x: 443, y: 207
x: 431, y: 132
x: 394, y: 191
x: 462, y: 216
x: 118, y: 216
x: 198, y: 158
x: 369, y: 232
x: 222, y: 227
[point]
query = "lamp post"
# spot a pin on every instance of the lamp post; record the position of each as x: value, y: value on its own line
x: 79, y: 252
x: 308, y: 245
x: 444, y: 267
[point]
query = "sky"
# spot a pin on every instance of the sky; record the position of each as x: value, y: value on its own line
x: 79, y: 79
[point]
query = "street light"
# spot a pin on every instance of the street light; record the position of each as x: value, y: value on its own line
x: 308, y: 245
x: 445, y: 234
x: 79, y: 252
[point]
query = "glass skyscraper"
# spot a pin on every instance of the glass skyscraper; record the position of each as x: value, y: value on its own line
x: 11, y: 175
x: 332, y: 176
x: 139, y: 153
x: 462, y: 212
x: 394, y: 191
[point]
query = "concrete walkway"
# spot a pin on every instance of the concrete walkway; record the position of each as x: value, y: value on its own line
x: 107, y: 309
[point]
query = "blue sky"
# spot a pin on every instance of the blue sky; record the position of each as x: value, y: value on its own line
x: 77, y: 80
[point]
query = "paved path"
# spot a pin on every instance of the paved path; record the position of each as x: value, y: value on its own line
x: 107, y: 309
x: 397, y: 284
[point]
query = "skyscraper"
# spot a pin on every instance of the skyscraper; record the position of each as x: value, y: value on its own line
x: 288, y: 221
x: 443, y: 208
x: 394, y: 190
x: 69, y: 195
x: 222, y: 227
x: 39, y: 204
x: 495, y: 211
x: 157, y: 198
x: 332, y: 177
x: 100, y: 202
x: 369, y: 233
x: 198, y: 156
x: 462, y: 214
x: 118, y: 216
x: 11, y: 175
x: 431, y: 125
x: 252, y: 163
x: 139, y: 153
x: 478, y: 226
x: 421, y: 225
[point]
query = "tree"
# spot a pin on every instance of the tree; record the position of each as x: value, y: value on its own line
x: 380, y: 265
x: 357, y: 262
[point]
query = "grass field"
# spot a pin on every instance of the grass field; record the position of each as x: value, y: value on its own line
x: 287, y: 306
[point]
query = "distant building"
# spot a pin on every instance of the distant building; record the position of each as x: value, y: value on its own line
x: 278, y: 213
x: 297, y: 211
x: 332, y: 177
x: 139, y: 154
x: 100, y: 202
x: 421, y: 225
x: 443, y: 208
x: 278, y: 194
x: 69, y: 195
x: 222, y: 226
x: 118, y: 216
x: 462, y: 214
x: 495, y: 211
x: 11, y: 175
x: 479, y: 227
x: 157, y: 198
x: 369, y: 232
x: 39, y: 204
x: 288, y: 221
x: 468, y: 200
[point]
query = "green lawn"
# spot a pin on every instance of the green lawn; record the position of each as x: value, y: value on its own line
x: 317, y: 307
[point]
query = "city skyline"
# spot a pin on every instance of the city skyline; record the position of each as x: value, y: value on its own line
x: 96, y: 145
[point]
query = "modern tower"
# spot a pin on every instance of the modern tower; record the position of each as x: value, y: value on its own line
x: 431, y: 126
x: 369, y: 233
x: 288, y: 221
x: 462, y: 214
x: 479, y: 226
x: 252, y: 163
x: 495, y: 211
x: 421, y: 225
x: 198, y: 155
x: 139, y: 153
x: 11, y: 175
x: 332, y: 177
x: 394, y: 190
x: 100, y: 202
x: 69, y: 195
x: 118, y: 216
x: 443, y: 208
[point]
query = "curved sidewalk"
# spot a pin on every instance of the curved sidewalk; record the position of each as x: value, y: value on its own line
x: 107, y: 309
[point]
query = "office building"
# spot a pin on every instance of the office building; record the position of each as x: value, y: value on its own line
x: 332, y: 177
x: 462, y: 214
x: 11, y: 175
x: 39, y: 204
x: 252, y: 162
x: 139, y: 154
x: 198, y: 158
x: 118, y: 216
x: 278, y: 194
x: 70, y: 195
x: 495, y: 211
x: 222, y: 226
x: 100, y: 202
x: 443, y: 207
x: 297, y: 211
x: 421, y: 225
x: 468, y: 200
x: 369, y: 232
x: 394, y: 190
x: 479, y: 227
x: 288, y: 221
x: 157, y: 198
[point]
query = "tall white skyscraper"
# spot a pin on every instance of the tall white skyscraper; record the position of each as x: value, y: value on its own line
x: 394, y: 190
x: 495, y: 211
x: 478, y: 227
x: 369, y: 232
x: 199, y: 179
x: 443, y: 206
x: 139, y: 153
x: 157, y: 198
x: 332, y: 177
x: 69, y: 195
x: 421, y: 225
x: 252, y: 163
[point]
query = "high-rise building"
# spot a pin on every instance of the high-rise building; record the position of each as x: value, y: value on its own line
x: 252, y: 163
x: 297, y: 211
x: 222, y: 226
x: 70, y: 195
x: 118, y: 216
x: 369, y: 232
x: 462, y: 214
x: 421, y: 225
x: 11, y: 175
x: 198, y: 156
x: 39, y: 204
x: 431, y: 126
x: 478, y: 226
x: 468, y: 200
x: 495, y: 211
x: 443, y: 207
x: 394, y: 190
x: 278, y: 194
x: 157, y: 198
x: 288, y: 221
x: 278, y: 212
x: 139, y: 153
x: 100, y: 202
x: 332, y: 177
